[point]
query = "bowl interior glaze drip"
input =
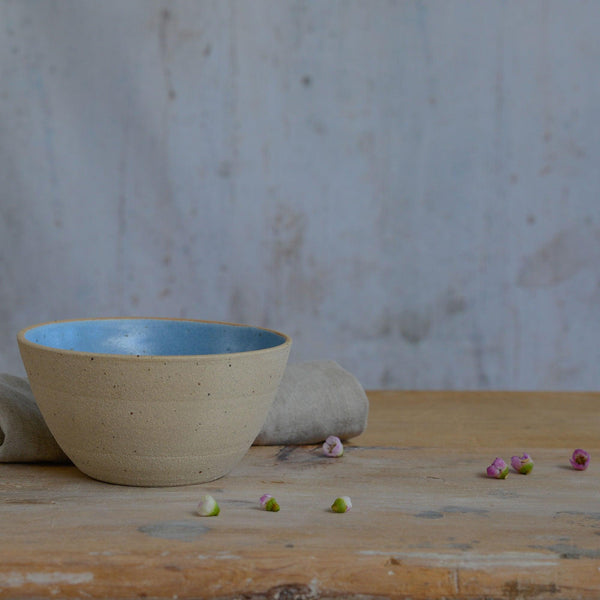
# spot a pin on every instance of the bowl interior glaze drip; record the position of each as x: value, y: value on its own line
x: 152, y: 337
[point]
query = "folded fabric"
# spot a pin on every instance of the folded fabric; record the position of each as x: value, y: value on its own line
x: 314, y: 400
x: 24, y: 436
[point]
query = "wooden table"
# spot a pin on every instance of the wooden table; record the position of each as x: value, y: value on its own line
x: 425, y: 523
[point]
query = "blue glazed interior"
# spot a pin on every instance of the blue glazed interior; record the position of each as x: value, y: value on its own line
x: 152, y: 337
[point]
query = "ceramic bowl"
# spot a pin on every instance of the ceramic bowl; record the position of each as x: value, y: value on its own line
x: 153, y: 402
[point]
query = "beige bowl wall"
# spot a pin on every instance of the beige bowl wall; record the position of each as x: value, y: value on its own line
x: 154, y: 421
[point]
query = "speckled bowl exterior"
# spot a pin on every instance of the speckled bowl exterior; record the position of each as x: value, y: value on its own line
x: 148, y: 419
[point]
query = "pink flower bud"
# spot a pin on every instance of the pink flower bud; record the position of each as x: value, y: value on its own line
x: 333, y: 447
x: 580, y: 459
x: 522, y: 464
x: 498, y: 469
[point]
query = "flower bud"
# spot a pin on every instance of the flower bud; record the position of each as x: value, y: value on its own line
x: 333, y: 447
x: 208, y: 507
x: 269, y: 503
x: 498, y: 469
x: 522, y: 464
x: 580, y: 459
x: 342, y: 504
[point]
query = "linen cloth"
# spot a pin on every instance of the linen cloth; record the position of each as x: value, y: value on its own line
x: 24, y: 436
x: 314, y: 400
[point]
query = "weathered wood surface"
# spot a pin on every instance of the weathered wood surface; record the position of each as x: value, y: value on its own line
x: 426, y: 522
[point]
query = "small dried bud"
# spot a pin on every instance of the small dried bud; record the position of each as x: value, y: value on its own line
x: 341, y: 505
x: 498, y: 469
x: 208, y: 507
x: 269, y: 503
x: 580, y: 459
x: 333, y: 447
x: 522, y: 464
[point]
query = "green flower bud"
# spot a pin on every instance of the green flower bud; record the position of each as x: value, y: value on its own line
x: 341, y: 505
x: 208, y: 507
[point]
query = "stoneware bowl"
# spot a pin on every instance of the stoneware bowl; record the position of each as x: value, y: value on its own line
x: 153, y: 402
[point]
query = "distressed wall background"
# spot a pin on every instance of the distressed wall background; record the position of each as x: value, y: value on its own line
x: 409, y: 188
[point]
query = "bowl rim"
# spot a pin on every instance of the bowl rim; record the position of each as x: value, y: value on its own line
x: 22, y: 340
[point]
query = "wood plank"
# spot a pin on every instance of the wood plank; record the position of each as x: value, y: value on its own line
x: 486, y: 419
x: 425, y: 523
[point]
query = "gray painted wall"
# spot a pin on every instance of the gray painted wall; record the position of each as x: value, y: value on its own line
x: 409, y: 188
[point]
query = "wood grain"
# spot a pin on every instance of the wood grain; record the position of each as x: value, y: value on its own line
x: 425, y: 523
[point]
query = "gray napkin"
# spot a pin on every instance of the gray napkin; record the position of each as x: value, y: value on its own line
x: 24, y: 436
x: 314, y: 400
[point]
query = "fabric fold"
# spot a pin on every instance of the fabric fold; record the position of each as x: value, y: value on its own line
x: 24, y: 436
x: 315, y: 399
